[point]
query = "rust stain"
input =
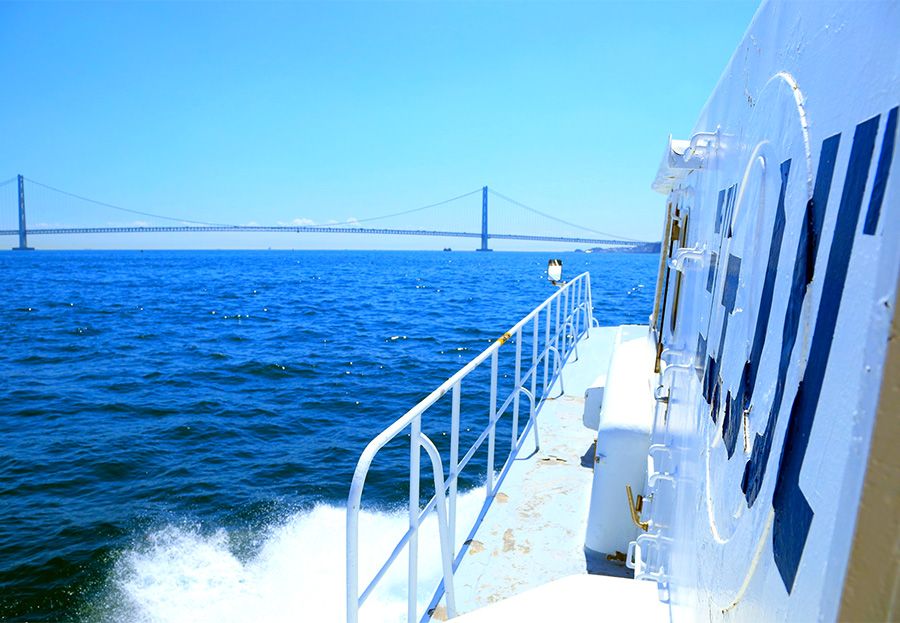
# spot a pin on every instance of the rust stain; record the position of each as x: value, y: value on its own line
x: 552, y: 460
x: 509, y: 540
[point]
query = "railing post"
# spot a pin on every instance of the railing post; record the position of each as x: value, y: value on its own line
x: 588, y: 318
x: 576, y: 320
x: 412, y: 578
x: 440, y: 503
x: 492, y: 433
x: 518, y: 379
x: 546, y: 351
x: 572, y: 292
x: 533, y: 419
x: 454, y: 464
x: 556, y: 338
x: 352, y: 563
x: 590, y: 302
x: 534, y: 357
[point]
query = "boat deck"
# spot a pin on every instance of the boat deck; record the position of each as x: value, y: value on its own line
x: 534, y: 532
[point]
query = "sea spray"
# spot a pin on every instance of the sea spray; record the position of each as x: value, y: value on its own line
x: 178, y: 574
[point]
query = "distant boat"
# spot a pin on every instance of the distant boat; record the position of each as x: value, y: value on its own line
x: 447, y: 249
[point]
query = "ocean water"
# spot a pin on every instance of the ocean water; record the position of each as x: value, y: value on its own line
x: 179, y: 429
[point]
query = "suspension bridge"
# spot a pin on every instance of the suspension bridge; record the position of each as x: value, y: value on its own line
x: 577, y: 234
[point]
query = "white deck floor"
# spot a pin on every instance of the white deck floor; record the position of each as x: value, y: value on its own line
x: 534, y: 532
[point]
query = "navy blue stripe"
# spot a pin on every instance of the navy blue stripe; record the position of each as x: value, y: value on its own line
x: 732, y: 200
x: 768, y: 291
x: 701, y: 354
x: 881, y: 174
x: 716, y: 393
x: 729, y: 295
x: 719, y: 211
x: 729, y: 292
x: 793, y: 514
x: 804, y: 262
x: 709, y: 379
x: 729, y: 203
x: 711, y: 275
x: 731, y: 424
x: 816, y: 211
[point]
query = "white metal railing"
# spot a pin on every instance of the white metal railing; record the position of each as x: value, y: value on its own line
x: 566, y: 316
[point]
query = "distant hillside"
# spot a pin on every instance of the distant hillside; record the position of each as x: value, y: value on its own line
x: 639, y: 247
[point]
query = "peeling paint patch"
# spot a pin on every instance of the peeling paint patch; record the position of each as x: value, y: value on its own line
x: 475, y: 547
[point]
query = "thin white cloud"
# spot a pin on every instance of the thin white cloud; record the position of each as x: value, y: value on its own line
x: 297, y: 222
x: 128, y: 224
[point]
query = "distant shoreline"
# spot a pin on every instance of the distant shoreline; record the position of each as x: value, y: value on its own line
x: 639, y: 247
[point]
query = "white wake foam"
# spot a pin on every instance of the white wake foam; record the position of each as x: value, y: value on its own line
x: 297, y: 574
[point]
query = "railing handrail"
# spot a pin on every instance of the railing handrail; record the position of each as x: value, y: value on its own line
x: 579, y: 309
x: 404, y: 420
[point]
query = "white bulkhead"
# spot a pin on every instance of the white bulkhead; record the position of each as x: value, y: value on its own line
x: 623, y: 440
x: 781, y: 257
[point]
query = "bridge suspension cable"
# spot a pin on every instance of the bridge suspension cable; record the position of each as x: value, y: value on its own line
x: 557, y: 219
x: 431, y: 205
x: 209, y: 224
x: 121, y: 209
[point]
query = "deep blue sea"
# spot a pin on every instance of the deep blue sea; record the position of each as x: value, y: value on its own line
x: 179, y: 429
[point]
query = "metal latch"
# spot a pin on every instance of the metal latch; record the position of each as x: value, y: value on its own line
x: 636, y: 509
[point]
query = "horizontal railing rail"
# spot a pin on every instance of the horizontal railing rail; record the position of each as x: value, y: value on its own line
x: 562, y: 320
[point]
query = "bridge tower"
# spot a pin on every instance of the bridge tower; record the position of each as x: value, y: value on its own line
x: 484, y: 219
x: 23, y: 232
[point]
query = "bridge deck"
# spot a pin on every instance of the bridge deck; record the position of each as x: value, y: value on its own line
x: 299, y: 229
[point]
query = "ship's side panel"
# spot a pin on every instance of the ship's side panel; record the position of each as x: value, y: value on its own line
x: 775, y: 359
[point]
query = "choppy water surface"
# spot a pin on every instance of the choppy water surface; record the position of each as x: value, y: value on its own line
x: 180, y: 428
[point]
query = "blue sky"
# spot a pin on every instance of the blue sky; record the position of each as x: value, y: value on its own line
x: 267, y: 113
